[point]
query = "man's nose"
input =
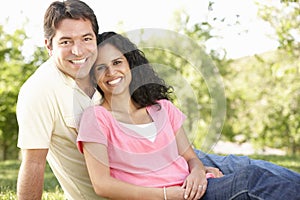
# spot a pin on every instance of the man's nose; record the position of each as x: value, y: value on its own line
x: 77, y: 49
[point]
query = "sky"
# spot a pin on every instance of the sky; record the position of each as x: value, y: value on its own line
x: 128, y: 15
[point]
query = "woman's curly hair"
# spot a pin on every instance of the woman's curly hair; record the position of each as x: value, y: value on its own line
x: 146, y: 86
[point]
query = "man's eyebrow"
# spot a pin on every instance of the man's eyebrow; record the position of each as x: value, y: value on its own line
x: 64, y: 38
x: 88, y: 34
x: 67, y: 37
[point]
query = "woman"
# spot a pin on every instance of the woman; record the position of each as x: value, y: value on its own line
x: 134, y: 143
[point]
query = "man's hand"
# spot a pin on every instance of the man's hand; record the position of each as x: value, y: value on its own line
x: 217, y: 173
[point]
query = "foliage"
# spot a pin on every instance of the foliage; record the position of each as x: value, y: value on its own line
x: 14, y: 71
x: 10, y: 66
x: 280, y: 126
x: 264, y: 91
x: 284, y: 19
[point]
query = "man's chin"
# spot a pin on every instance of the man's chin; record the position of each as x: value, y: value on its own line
x: 82, y: 73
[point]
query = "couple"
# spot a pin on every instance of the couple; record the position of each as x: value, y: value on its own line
x: 50, y: 106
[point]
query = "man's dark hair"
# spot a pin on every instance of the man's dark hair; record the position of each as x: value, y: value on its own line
x: 69, y: 9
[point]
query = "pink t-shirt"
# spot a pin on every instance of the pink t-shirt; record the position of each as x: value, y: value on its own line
x: 132, y: 157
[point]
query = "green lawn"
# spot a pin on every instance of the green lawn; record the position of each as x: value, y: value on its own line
x: 8, y: 177
x: 52, y: 190
x: 290, y: 162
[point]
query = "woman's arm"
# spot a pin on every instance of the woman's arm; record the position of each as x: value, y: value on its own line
x: 196, y: 183
x: 106, y: 186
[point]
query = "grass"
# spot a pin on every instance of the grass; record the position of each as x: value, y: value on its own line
x: 290, y: 162
x: 8, y: 178
x: 52, y: 190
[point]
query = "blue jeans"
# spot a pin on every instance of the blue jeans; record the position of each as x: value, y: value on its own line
x: 231, y: 163
x: 251, y: 182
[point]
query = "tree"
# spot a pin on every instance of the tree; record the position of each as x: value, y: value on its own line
x: 284, y: 18
x: 15, y: 69
x: 282, y: 127
x: 262, y: 92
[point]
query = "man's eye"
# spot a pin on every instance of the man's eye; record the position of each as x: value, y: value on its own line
x: 88, y: 39
x: 65, y: 42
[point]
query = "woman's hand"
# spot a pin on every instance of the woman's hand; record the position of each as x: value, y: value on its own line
x: 195, y: 184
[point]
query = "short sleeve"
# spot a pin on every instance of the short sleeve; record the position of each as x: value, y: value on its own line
x: 176, y: 117
x: 92, y: 127
x: 35, y: 115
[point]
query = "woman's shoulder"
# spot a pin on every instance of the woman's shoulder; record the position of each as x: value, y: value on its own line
x: 95, y: 110
x: 165, y: 103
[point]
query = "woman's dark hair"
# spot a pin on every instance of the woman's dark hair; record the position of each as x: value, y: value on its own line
x: 69, y: 9
x: 146, y: 86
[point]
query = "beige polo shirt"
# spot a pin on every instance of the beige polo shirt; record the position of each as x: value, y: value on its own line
x: 49, y: 108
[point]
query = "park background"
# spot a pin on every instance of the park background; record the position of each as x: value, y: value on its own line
x: 255, y: 46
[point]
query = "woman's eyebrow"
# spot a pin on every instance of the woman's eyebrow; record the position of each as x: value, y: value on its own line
x: 121, y: 57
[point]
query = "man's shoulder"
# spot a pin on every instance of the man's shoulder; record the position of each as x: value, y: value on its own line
x: 44, y: 76
x: 44, y: 72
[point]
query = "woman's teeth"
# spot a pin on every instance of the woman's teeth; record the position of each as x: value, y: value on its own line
x: 114, y: 81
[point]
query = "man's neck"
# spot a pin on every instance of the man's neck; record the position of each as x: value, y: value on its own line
x: 86, y: 86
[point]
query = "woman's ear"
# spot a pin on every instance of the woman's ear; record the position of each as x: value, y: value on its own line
x: 48, y: 46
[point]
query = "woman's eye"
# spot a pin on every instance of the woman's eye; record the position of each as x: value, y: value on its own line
x: 117, y: 62
x: 101, y: 68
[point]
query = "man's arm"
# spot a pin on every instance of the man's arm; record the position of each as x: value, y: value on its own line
x: 31, y: 174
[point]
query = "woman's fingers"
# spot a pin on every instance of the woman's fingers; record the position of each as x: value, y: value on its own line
x: 195, y: 191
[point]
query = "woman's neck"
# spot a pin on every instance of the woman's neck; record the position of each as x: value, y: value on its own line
x: 120, y: 104
x: 126, y: 110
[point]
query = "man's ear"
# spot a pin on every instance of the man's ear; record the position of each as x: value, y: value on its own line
x: 93, y: 78
x: 48, y: 46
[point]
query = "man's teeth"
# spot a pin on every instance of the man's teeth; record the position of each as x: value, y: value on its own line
x: 114, y: 81
x: 79, y: 61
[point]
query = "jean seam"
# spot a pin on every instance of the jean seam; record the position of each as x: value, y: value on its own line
x: 254, y: 196
x: 237, y: 194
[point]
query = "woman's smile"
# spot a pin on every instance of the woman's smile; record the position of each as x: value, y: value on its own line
x: 115, y: 81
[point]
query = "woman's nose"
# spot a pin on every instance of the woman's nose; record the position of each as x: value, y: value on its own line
x: 110, y: 70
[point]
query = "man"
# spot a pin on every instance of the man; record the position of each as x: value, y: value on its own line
x: 52, y: 100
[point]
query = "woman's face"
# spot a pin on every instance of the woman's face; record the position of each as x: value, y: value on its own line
x: 112, y: 71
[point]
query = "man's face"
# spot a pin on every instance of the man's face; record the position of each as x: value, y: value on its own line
x: 74, y: 47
